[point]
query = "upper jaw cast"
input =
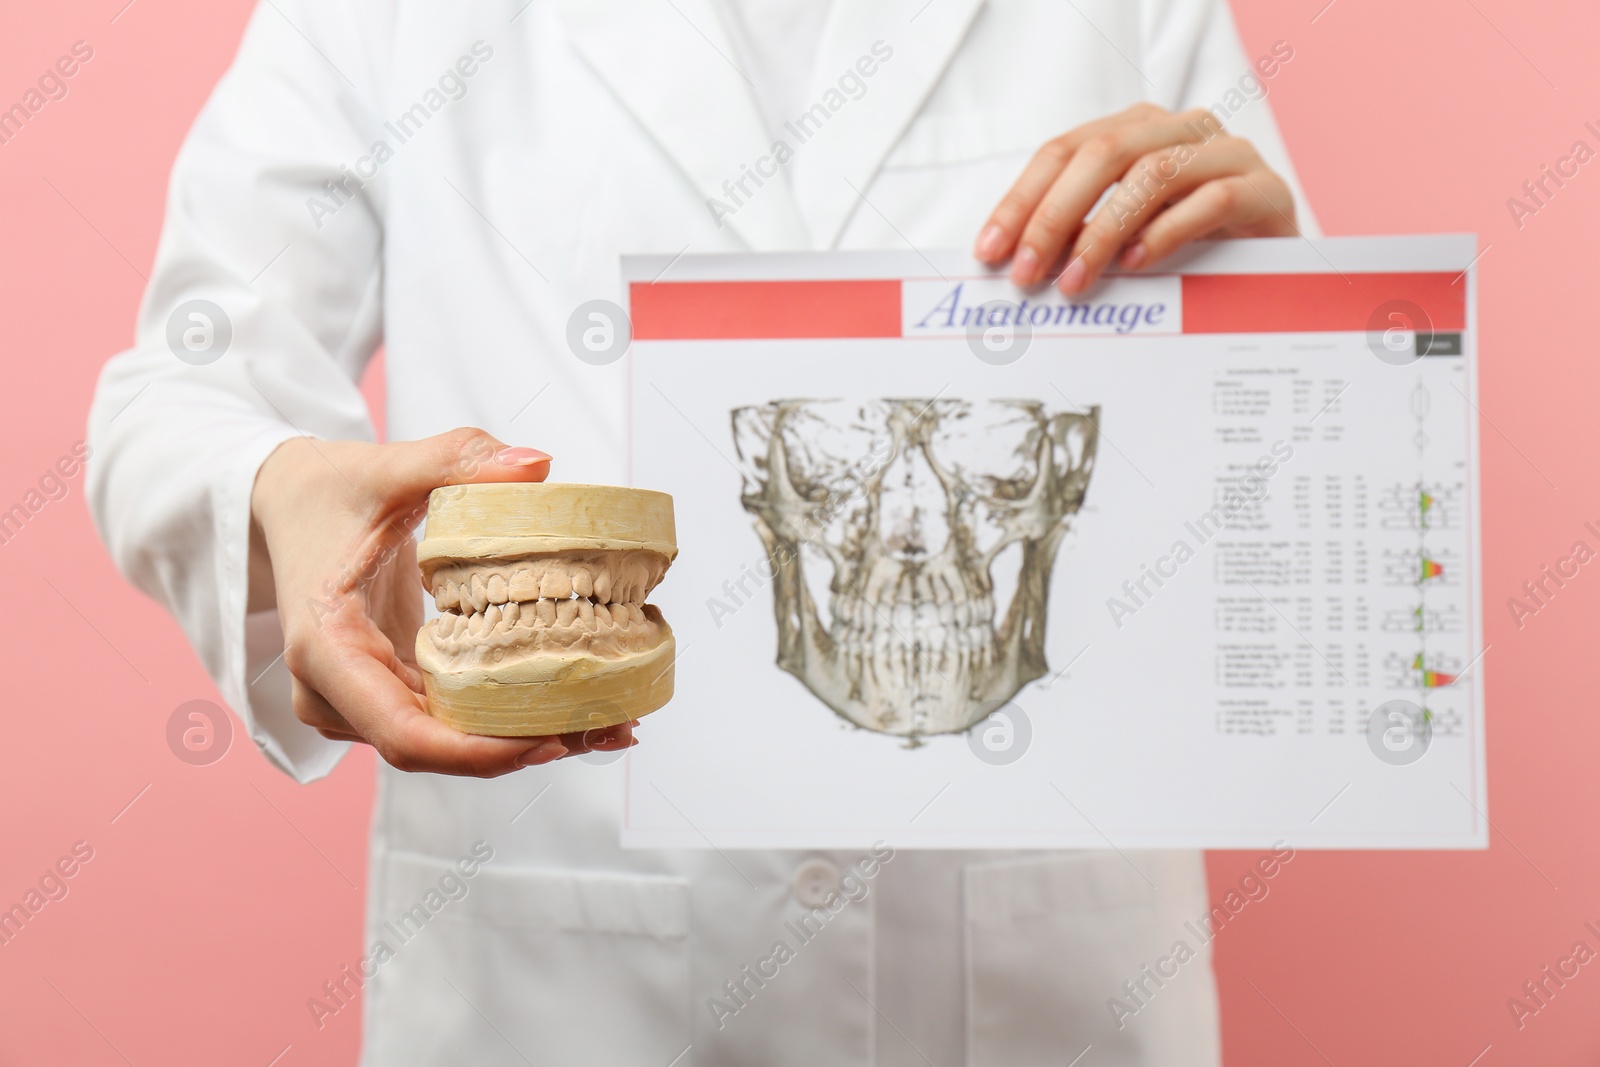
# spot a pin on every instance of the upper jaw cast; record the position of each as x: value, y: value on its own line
x: 624, y: 577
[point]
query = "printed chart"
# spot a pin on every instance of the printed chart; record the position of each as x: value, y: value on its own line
x: 1189, y: 560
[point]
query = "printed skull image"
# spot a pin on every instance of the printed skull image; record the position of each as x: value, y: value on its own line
x: 911, y: 502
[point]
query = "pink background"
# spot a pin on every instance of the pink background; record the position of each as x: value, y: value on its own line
x: 225, y: 895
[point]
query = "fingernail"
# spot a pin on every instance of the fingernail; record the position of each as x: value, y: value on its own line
x: 1134, y: 256
x: 1072, y: 278
x: 542, y: 753
x: 1025, y: 268
x: 520, y: 457
x: 990, y: 242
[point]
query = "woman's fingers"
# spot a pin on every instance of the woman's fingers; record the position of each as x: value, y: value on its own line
x: 311, y: 709
x: 349, y: 689
x: 1098, y: 164
x: 410, y: 470
x: 1174, y: 178
x: 601, y: 739
x: 1244, y: 205
x: 998, y: 237
x: 1155, y: 180
x: 419, y: 742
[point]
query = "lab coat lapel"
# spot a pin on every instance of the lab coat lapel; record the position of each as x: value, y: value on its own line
x: 672, y: 65
x: 834, y: 165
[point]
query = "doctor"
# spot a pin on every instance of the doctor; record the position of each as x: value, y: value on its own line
x: 452, y: 181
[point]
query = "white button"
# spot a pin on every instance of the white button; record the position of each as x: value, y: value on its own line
x: 814, y: 881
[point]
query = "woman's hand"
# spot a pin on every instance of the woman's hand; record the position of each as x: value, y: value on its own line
x: 1178, y: 178
x: 331, y: 546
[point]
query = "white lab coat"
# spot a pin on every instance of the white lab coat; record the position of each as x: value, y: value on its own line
x: 587, y: 129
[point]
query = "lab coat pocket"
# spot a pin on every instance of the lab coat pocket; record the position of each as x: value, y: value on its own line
x: 1050, y: 942
x: 529, y: 965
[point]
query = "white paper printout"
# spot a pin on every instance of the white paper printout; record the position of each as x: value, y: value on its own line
x: 1190, y: 560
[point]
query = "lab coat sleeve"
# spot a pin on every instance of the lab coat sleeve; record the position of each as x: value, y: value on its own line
x: 176, y: 446
x: 1195, y: 59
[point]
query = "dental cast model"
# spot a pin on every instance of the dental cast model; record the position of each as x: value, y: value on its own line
x: 901, y: 510
x: 541, y: 588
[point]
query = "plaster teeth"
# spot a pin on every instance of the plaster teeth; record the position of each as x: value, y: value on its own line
x: 556, y: 585
x: 476, y: 593
x: 524, y: 584
x: 446, y: 596
x: 564, y: 602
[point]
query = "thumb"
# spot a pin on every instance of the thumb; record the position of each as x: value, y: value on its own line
x: 461, y: 457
